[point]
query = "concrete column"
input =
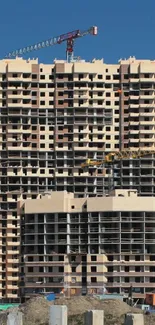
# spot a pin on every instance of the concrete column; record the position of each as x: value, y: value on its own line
x: 68, y: 233
x: 89, y: 221
x: 94, y: 317
x: 45, y: 235
x: 134, y: 319
x: 144, y: 251
x: 15, y: 318
x: 130, y: 171
x: 56, y: 233
x: 36, y: 228
x: 58, y: 315
x: 99, y: 233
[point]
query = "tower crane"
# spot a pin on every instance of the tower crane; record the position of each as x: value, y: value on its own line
x: 68, y: 37
x: 113, y: 157
x: 118, y: 155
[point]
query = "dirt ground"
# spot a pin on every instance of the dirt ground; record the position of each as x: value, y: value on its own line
x: 36, y: 311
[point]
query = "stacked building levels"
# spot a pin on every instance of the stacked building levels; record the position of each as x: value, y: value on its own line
x: 60, y: 247
x: 53, y: 117
x: 84, y: 245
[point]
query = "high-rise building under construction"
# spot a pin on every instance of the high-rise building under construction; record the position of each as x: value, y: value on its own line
x: 55, y: 116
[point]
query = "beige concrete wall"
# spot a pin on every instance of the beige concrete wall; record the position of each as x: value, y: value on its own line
x: 64, y: 202
x: 121, y: 204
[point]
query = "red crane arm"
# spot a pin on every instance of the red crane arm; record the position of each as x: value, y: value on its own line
x: 69, y: 37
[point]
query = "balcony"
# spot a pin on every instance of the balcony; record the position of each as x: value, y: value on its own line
x: 44, y: 274
x: 150, y: 80
x: 146, y: 106
x: 134, y: 105
x: 134, y: 80
x: 143, y: 97
x: 150, y: 122
x: 143, y: 131
x: 109, y: 219
x: 62, y: 230
x: 133, y: 122
x: 149, y: 229
x: 134, y: 114
x: 75, y: 231
x: 74, y: 220
x: 134, y: 284
x: 18, y: 104
x: 94, y: 240
x: 93, y: 230
x: 130, y: 274
x: 145, y: 114
x: 134, y: 97
x: 110, y: 230
x: 45, y: 285
x: 150, y: 139
x: 110, y: 241
x: 74, y: 241
x: 149, y: 241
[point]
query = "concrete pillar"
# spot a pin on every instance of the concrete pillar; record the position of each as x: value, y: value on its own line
x: 15, y: 318
x: 94, y: 317
x: 36, y: 229
x: 58, y: 315
x: 134, y: 319
x: 56, y: 233
x: 68, y: 233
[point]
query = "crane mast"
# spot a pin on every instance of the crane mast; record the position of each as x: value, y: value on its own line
x: 68, y: 37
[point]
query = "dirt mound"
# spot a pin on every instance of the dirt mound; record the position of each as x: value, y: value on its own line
x: 36, y: 311
x: 117, y: 308
x: 78, y: 305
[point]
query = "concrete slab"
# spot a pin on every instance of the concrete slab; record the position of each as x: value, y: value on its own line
x: 58, y: 315
x: 94, y: 317
x: 134, y: 319
x: 15, y: 318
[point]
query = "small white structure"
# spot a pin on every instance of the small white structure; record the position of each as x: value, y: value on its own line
x: 134, y: 319
x: 15, y: 318
x: 94, y: 317
x: 58, y: 315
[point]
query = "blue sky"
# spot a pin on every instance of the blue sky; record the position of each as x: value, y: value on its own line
x: 125, y: 27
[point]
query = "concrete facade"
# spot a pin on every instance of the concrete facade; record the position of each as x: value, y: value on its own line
x: 87, y: 244
x: 55, y: 116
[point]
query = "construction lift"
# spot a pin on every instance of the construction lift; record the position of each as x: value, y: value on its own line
x: 112, y: 157
x: 68, y: 37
